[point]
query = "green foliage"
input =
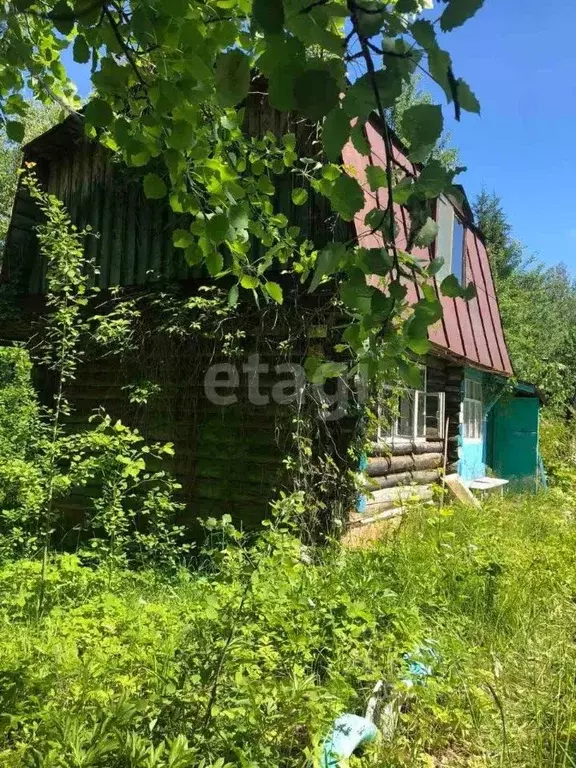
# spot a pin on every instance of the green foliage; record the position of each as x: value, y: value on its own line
x: 538, y: 307
x: 38, y: 118
x: 170, y: 81
x: 412, y: 95
x: 43, y: 463
x: 21, y: 431
x: 247, y: 660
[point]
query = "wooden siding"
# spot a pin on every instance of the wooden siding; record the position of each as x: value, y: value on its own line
x: 470, y: 331
x: 134, y: 235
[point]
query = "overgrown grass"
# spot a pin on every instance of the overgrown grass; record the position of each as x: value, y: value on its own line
x: 245, y: 661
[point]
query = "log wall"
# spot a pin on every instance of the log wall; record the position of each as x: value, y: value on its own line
x: 400, y: 470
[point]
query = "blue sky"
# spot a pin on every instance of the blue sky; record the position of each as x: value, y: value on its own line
x: 520, y: 59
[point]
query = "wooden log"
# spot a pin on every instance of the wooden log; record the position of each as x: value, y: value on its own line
x: 405, y: 449
x: 390, y: 498
x: 406, y: 478
x: 384, y: 465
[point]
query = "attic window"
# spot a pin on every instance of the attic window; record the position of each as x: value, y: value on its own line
x: 450, y: 241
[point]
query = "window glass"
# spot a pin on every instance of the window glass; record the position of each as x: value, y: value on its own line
x: 421, y: 415
x: 406, y: 414
x: 458, y: 250
x: 472, y: 410
x: 445, y: 221
x: 411, y: 414
x: 450, y: 245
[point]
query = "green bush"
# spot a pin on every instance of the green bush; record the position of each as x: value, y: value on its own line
x: 245, y: 660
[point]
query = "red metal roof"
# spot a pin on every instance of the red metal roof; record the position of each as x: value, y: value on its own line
x: 469, y: 330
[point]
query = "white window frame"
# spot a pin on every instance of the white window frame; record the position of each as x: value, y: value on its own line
x: 472, y: 411
x: 389, y: 433
x: 446, y: 216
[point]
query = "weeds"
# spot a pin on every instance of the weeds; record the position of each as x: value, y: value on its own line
x: 246, y: 660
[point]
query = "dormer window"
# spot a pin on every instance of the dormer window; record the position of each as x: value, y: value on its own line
x: 450, y: 241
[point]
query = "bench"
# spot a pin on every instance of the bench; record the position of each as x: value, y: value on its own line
x: 486, y: 484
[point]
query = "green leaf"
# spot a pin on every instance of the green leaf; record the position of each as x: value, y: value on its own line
x: 407, y: 6
x: 360, y: 99
x: 369, y: 20
x: 182, y: 135
x: 403, y: 190
x: 281, y: 87
x: 411, y: 374
x: 435, y: 266
x: 299, y: 196
x: 376, y: 177
x: 328, y: 261
x: 422, y: 125
x: 458, y: 12
x: 423, y: 32
x: 182, y: 238
x: 329, y: 370
x: 269, y: 15
x: 232, y: 77
x: 440, y: 64
x: 266, y: 186
x: 233, y: 295
x: 357, y: 297
x: 418, y: 345
x: 335, y: 134
x: 427, y: 234
x: 347, y: 197
x: 373, y: 261
x: 214, y: 262
x: 62, y: 18
x: 274, y: 291
x: 238, y: 218
x: 428, y: 311
x: 397, y: 290
x: 249, y: 282
x: 154, y: 186
x: 451, y: 287
x: 218, y: 228
x: 466, y: 97
x: 98, y: 113
x: 379, y: 219
x: 359, y: 140
x: 193, y: 255
x: 434, y: 179
x: 316, y: 93
x: 81, y: 50
x: 15, y: 130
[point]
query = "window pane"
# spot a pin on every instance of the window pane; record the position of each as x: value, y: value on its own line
x: 421, y: 414
x: 445, y: 221
x: 406, y: 415
x: 478, y: 420
x: 434, y: 415
x: 458, y: 250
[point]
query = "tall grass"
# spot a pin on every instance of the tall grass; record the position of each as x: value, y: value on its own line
x: 245, y: 661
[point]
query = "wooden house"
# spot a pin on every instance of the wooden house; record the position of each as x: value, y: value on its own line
x: 231, y: 459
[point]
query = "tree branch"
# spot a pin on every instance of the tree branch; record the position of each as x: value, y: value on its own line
x: 124, y: 45
x: 352, y: 7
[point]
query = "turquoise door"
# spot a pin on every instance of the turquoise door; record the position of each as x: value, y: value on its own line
x: 514, y: 437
